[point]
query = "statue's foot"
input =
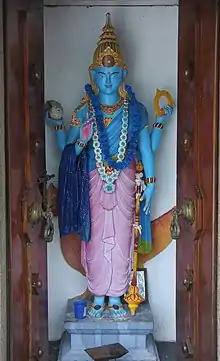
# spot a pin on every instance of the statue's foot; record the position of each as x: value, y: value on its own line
x: 116, y: 309
x: 97, y: 308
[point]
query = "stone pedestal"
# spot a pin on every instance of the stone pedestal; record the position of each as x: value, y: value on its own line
x: 135, y: 333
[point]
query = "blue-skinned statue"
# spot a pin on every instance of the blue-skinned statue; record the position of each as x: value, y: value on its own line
x: 107, y: 137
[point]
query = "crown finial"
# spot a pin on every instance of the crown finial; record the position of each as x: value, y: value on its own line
x: 108, y: 52
x: 108, y: 20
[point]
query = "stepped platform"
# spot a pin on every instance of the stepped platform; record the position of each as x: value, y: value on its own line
x: 135, y: 333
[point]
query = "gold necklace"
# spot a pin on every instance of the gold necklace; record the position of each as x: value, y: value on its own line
x: 111, y: 109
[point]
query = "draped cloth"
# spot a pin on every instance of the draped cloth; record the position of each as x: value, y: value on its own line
x: 73, y: 194
x: 107, y: 256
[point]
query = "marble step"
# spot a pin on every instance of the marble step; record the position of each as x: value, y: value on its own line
x: 135, y: 333
x: 147, y: 353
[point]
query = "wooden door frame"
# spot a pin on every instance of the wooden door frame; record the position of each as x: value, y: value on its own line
x: 209, y: 324
x: 3, y: 271
x: 199, y: 72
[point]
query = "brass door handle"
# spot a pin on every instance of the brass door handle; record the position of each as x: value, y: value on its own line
x: 35, y: 214
x: 188, y: 212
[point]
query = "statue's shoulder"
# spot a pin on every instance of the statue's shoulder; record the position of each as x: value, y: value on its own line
x: 143, y: 114
x: 79, y: 114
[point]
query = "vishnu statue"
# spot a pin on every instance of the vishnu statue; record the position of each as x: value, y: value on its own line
x: 107, y: 137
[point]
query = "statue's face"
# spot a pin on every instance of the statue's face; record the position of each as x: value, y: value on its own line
x: 108, y: 79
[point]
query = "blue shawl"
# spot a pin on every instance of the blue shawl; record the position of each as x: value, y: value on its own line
x: 73, y: 194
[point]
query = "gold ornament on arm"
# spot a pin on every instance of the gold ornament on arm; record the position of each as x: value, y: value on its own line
x: 160, y: 94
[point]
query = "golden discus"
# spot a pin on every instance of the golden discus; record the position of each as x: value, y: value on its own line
x: 160, y: 94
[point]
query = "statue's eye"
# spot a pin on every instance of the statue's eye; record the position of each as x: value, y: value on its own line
x: 115, y: 75
x: 101, y: 75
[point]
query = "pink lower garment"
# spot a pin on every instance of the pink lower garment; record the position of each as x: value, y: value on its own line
x: 107, y: 256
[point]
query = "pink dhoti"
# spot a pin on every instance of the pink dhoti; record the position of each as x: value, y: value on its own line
x: 107, y: 256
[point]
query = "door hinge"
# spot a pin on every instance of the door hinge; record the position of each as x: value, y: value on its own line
x: 36, y: 283
x: 188, y: 280
x: 38, y: 355
x: 199, y: 194
x: 188, y: 142
x: 187, y: 348
x: 199, y: 211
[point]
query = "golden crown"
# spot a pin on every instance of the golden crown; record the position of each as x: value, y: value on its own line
x: 108, y: 52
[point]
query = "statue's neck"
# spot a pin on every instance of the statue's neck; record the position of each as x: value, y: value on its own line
x: 105, y: 99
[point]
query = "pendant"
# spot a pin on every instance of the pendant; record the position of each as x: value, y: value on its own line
x: 109, y: 188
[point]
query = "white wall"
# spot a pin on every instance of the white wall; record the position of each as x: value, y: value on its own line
x: 148, y: 37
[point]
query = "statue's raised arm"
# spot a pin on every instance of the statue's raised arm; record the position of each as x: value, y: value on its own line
x: 80, y: 128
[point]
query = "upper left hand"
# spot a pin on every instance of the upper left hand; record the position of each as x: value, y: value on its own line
x: 168, y: 113
x: 146, y: 196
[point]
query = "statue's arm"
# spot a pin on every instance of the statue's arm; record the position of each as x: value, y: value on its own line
x: 147, y: 159
x: 74, y: 133
x: 147, y: 155
x: 156, y: 135
x: 158, y: 126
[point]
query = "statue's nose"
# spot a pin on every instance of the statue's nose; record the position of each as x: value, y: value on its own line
x: 108, y: 80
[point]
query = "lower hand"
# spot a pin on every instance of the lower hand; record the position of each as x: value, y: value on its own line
x: 146, y: 196
x: 168, y: 113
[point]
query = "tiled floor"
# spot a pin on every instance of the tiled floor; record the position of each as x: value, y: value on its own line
x: 166, y: 351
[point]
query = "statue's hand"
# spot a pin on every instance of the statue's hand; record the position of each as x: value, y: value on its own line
x: 86, y: 131
x: 50, y: 121
x: 164, y: 118
x: 147, y: 196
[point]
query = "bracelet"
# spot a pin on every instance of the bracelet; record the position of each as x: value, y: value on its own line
x: 150, y: 180
x: 158, y: 125
x: 59, y: 127
x: 81, y: 144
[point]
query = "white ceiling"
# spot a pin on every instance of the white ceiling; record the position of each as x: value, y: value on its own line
x: 111, y: 2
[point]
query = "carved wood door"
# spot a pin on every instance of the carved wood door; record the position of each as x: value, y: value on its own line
x: 197, y: 180
x: 25, y: 166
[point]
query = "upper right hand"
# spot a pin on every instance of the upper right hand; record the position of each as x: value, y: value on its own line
x: 51, y: 121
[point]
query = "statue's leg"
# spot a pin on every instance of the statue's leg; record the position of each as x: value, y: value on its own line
x: 98, y: 306
x: 116, y: 308
x: 121, y: 254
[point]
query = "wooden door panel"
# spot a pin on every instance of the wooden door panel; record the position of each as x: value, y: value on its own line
x: 37, y: 165
x: 208, y: 120
x: 15, y: 184
x: 186, y: 171
x: 197, y: 177
x: 24, y: 112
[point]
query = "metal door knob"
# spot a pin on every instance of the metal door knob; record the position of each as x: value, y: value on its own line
x: 187, y: 211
